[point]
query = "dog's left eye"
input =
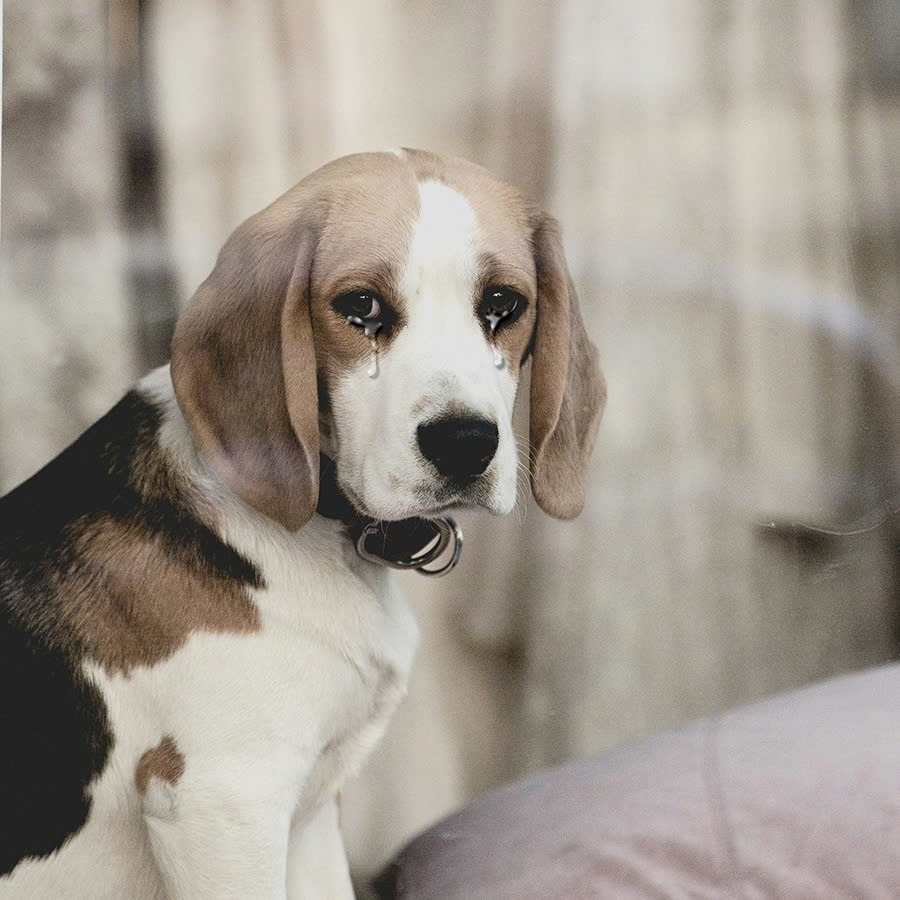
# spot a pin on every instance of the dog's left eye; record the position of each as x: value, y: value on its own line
x: 365, y: 305
x: 500, y: 304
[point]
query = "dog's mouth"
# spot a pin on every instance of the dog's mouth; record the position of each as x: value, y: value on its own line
x: 427, y: 502
x: 476, y: 495
x: 431, y: 512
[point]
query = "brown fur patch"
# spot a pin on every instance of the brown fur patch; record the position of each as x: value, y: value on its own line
x: 363, y: 244
x: 146, y: 581
x: 164, y: 761
x: 568, y: 390
x: 135, y: 603
x: 120, y: 561
x: 244, y: 369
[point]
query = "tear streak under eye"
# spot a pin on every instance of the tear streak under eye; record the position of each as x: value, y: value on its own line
x: 370, y: 326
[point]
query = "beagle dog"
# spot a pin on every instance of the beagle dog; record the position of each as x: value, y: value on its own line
x: 197, y: 644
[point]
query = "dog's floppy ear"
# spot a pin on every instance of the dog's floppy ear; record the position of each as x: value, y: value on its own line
x: 568, y: 391
x: 244, y: 368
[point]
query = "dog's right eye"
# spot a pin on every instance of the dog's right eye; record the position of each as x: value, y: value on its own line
x: 365, y: 305
x: 367, y: 310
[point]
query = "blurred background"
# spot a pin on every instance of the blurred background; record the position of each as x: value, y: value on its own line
x: 728, y: 179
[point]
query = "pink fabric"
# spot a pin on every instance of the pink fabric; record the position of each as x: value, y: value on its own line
x: 795, y: 797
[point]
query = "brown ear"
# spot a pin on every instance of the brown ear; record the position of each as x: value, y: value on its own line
x: 568, y: 391
x: 244, y: 368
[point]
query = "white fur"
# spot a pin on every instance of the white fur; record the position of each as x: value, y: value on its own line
x: 442, y: 354
x: 270, y: 725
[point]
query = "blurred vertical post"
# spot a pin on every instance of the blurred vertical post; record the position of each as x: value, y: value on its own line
x: 149, y: 275
x: 67, y: 343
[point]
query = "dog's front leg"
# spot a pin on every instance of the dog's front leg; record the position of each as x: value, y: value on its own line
x: 317, y: 863
x: 220, y: 834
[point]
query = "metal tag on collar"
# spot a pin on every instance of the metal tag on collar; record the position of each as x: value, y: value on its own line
x: 446, y: 531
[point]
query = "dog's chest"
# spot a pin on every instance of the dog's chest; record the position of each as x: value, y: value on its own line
x: 360, y: 639
x: 302, y: 700
x: 347, y: 653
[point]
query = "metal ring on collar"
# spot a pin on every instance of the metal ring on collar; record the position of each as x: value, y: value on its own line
x: 446, y: 531
x: 454, y: 532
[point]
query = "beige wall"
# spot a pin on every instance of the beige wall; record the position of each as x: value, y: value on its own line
x: 727, y: 177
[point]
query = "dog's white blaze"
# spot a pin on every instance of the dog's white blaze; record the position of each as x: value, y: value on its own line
x: 441, y: 268
x: 441, y: 357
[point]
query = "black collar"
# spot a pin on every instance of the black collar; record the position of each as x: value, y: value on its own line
x: 405, y: 544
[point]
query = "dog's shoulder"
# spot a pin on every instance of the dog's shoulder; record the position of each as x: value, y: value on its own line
x: 100, y: 546
x: 56, y: 731
x: 104, y: 560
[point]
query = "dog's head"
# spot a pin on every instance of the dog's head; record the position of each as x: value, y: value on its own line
x: 459, y: 277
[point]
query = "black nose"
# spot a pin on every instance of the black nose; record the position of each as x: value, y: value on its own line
x: 460, y: 448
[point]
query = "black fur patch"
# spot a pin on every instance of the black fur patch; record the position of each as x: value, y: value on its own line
x: 55, y: 740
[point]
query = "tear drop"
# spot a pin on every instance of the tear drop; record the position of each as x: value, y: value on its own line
x: 371, y: 327
x: 372, y: 371
x: 499, y: 360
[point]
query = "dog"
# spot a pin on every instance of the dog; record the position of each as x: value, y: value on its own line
x: 200, y: 638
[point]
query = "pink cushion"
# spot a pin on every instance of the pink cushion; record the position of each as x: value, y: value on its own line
x: 795, y: 797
